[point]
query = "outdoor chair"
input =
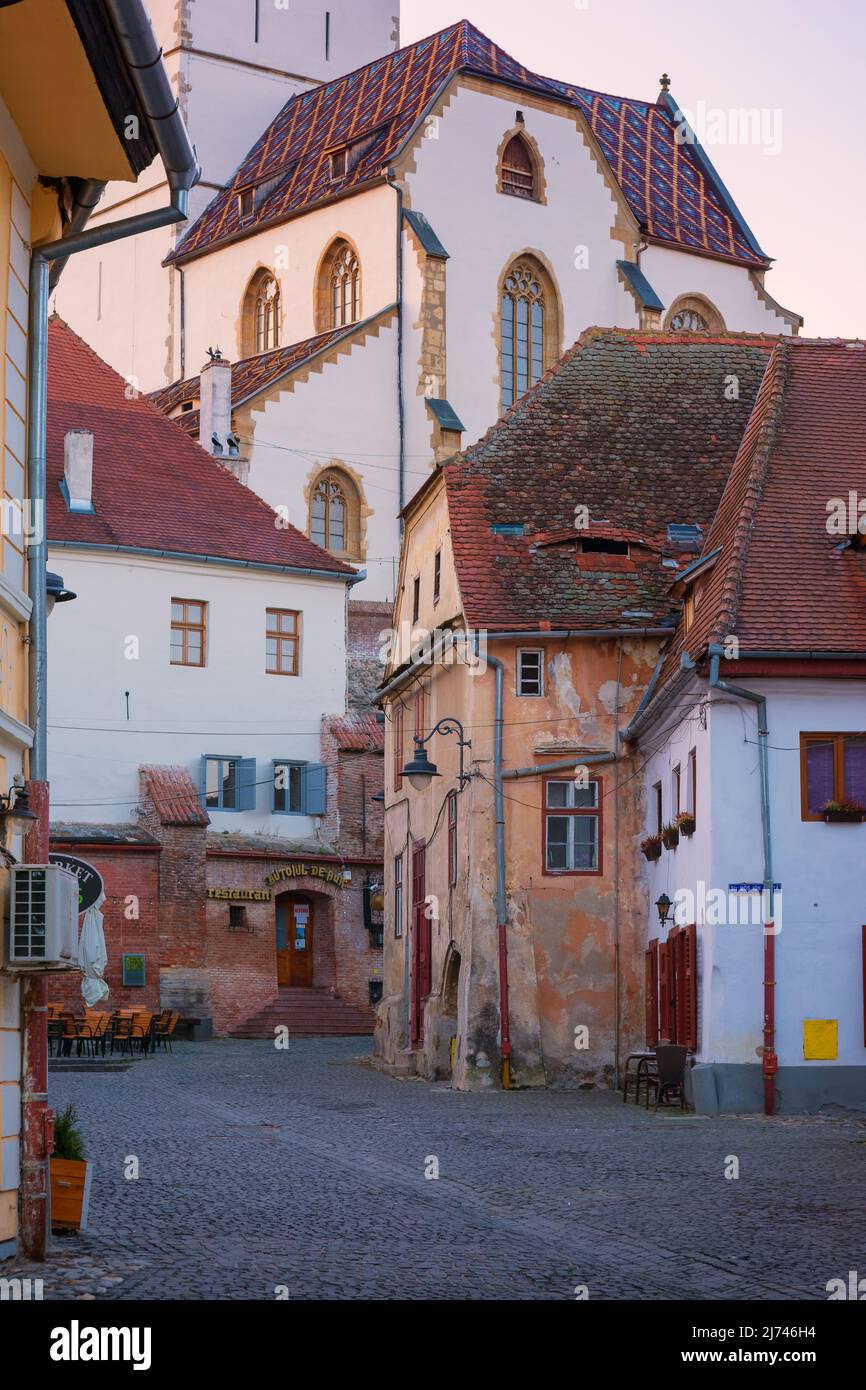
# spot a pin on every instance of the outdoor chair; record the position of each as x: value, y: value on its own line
x: 142, y: 1031
x: 669, y: 1079
x: 164, y: 1026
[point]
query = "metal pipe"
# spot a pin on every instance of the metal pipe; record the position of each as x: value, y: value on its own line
x: 770, y: 1061
x: 501, y: 903
x: 154, y: 553
x: 567, y: 764
x: 85, y: 204
x: 401, y: 411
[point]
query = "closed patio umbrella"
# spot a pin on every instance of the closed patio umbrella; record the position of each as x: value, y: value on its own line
x: 92, y: 955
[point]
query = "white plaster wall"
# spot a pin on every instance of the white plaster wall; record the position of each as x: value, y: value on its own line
x: 215, y: 284
x: 230, y: 706
x: 729, y: 287
x: 455, y: 186
x: 344, y: 414
x: 820, y: 868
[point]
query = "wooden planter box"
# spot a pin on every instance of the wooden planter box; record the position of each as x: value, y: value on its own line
x: 70, y: 1194
x: 687, y: 828
x: 671, y: 839
x: 653, y: 851
x: 843, y: 817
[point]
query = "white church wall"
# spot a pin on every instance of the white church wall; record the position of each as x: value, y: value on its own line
x: 231, y: 706
x: 728, y: 287
x: 343, y: 415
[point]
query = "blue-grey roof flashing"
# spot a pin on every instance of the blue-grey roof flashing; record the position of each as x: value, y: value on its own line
x: 445, y: 414
x: 646, y: 295
x: 425, y: 234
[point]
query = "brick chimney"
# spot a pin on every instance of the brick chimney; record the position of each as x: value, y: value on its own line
x: 78, y: 469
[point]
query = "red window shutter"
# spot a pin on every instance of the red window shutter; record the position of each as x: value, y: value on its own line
x: 864, y: 986
x: 690, y: 991
x: 664, y: 993
x: 681, y: 987
x: 652, y: 994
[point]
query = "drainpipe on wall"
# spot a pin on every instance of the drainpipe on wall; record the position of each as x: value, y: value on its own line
x: 143, y: 57
x: 401, y: 411
x: 770, y: 1063
x: 501, y: 905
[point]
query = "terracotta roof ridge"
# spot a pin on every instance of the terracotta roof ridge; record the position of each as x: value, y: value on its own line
x: 768, y: 413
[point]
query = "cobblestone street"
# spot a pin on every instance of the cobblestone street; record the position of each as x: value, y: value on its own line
x: 306, y: 1168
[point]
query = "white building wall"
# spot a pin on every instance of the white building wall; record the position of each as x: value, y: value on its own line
x: 820, y: 868
x: 729, y: 287
x: 177, y: 713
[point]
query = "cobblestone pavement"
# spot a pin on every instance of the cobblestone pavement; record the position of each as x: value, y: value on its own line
x: 306, y: 1169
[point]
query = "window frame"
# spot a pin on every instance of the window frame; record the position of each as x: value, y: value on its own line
x: 692, y: 785
x: 278, y: 636
x: 527, y: 195
x: 529, y: 694
x: 676, y: 791
x: 596, y: 811
x: 184, y: 627
x: 398, y: 895
x: 660, y: 807
x: 452, y: 839
x: 838, y: 739
x: 238, y: 761
x: 416, y: 598
x: 397, y: 731
x: 290, y: 763
x: 437, y: 575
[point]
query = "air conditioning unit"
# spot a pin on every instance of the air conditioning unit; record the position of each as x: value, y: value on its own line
x: 43, y: 918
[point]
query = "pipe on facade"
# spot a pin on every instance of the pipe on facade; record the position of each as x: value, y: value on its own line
x: 143, y: 58
x: 152, y: 552
x: 88, y: 196
x: 401, y: 411
x: 501, y: 904
x: 566, y: 764
x: 770, y: 1063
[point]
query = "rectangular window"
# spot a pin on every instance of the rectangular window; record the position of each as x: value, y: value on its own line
x: 572, y: 827
x: 657, y: 795
x: 228, y: 784
x: 675, y: 791
x: 282, y: 642
x: 452, y: 838
x: 338, y: 164
x: 530, y: 673
x: 300, y: 789
x: 420, y: 713
x: 188, y: 632
x: 692, y: 804
x: 398, y: 895
x: 237, y: 917
x: 397, y: 729
x: 416, y: 598
x: 437, y: 575
x: 832, y: 768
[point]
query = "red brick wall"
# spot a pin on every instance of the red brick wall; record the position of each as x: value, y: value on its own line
x: 184, y: 982
x: 363, y: 650
x: 131, y: 878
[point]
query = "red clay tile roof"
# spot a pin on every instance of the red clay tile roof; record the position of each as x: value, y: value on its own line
x: 174, y: 796
x: 253, y: 375
x: 152, y: 486
x: 670, y: 187
x: 358, y: 733
x: 634, y: 426
x: 782, y: 582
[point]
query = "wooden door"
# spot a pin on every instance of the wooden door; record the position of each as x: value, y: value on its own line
x: 294, y: 942
x: 421, y: 942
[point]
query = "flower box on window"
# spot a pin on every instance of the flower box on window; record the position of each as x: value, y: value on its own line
x: 670, y: 836
x: 686, y: 823
x: 843, y: 813
x: 652, y: 847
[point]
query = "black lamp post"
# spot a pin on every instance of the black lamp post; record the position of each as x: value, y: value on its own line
x: 664, y: 906
x: 420, y: 771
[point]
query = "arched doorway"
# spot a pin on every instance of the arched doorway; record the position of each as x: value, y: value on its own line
x: 295, y: 921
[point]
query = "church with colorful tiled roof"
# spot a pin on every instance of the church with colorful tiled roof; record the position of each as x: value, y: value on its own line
x: 402, y: 253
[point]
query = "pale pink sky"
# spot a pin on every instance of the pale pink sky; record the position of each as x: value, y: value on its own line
x: 806, y: 60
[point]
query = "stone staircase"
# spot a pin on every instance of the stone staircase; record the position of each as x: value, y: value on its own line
x: 307, y: 1013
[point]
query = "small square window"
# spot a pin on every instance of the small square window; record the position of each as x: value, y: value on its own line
x: 338, y: 164
x: 530, y: 673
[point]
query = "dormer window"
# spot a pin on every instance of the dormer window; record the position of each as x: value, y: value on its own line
x: 246, y: 203
x: 338, y: 164
x: 518, y: 169
x: 603, y: 545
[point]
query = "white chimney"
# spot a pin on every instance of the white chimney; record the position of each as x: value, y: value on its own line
x: 215, y: 410
x: 78, y: 469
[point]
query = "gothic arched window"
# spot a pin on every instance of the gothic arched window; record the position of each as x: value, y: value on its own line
x: 689, y: 321
x: 260, y: 315
x: 335, y: 513
x: 338, y: 288
x: 528, y: 333
x: 692, y: 313
x: 518, y: 169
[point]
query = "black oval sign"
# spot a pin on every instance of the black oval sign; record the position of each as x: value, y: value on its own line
x: 90, y: 885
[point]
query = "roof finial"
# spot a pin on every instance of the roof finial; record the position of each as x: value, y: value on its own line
x: 665, y: 81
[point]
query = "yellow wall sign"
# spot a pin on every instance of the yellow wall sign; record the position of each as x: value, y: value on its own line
x: 307, y: 871
x: 239, y: 895
x: 820, y: 1039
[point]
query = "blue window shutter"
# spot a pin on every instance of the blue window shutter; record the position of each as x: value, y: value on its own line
x: 202, y: 778
x: 315, y: 789
x: 246, y: 772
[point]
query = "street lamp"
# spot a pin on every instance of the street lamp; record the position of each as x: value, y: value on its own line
x: 420, y: 771
x: 56, y: 591
x: 664, y: 906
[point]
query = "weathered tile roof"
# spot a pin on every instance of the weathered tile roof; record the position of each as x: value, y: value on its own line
x: 636, y: 427
x: 781, y: 581
x: 152, y: 486
x: 174, y: 796
x: 357, y: 733
x: 670, y: 186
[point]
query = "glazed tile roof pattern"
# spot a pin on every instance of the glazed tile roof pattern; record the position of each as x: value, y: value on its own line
x: 781, y: 582
x: 152, y: 486
x: 633, y: 426
x: 672, y: 192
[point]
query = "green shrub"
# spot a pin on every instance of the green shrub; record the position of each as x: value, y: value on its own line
x: 68, y: 1141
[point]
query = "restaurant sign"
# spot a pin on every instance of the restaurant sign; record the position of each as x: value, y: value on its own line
x: 239, y: 895
x: 322, y: 871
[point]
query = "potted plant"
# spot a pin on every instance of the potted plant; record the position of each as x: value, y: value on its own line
x: 852, y: 812
x: 70, y: 1175
x: 670, y: 836
x: 652, y: 847
x: 686, y: 823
